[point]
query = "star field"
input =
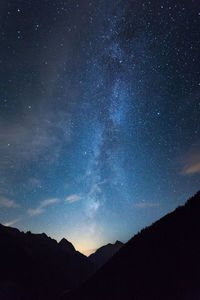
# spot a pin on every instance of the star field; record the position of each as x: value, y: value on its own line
x: 99, y: 115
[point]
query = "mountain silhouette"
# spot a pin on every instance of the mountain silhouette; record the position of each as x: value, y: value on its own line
x: 162, y: 262
x: 66, y: 246
x: 104, y: 253
x: 34, y: 266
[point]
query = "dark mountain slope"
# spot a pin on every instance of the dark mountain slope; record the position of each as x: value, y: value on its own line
x: 161, y: 262
x: 34, y: 266
x: 66, y: 246
x: 104, y: 253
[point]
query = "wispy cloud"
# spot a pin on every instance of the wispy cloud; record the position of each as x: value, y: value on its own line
x: 8, y: 203
x: 192, y: 169
x: 41, y: 208
x: 10, y: 223
x: 73, y: 198
x: 191, y: 161
x: 29, y: 137
x: 144, y: 204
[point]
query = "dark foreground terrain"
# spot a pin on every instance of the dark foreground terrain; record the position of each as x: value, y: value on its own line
x: 104, y: 253
x: 161, y: 262
x: 34, y: 266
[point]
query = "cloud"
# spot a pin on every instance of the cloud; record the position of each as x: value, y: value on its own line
x: 10, y: 223
x: 8, y: 203
x: 144, y: 204
x: 36, y: 134
x: 192, y: 169
x: 36, y: 211
x: 41, y: 208
x: 73, y: 198
x: 191, y: 161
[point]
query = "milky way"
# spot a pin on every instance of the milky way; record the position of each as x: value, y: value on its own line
x: 99, y: 115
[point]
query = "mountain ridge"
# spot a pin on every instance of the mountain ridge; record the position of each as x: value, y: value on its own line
x: 104, y: 253
x: 38, y: 266
x: 161, y: 262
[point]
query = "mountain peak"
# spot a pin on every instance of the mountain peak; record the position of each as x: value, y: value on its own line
x: 118, y: 243
x: 66, y: 245
x: 104, y: 253
x: 36, y: 266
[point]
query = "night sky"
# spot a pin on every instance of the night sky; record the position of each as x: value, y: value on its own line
x: 99, y: 115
